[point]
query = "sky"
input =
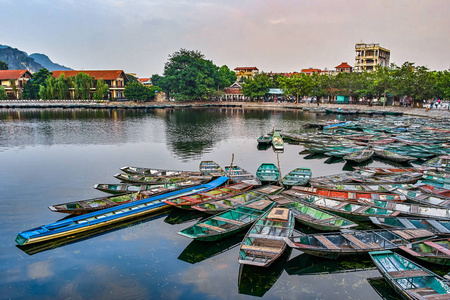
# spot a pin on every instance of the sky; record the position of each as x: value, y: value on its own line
x: 138, y: 36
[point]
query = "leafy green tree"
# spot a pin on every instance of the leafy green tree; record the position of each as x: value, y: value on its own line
x: 83, y: 84
x: 32, y: 87
x: 3, y: 65
x: 12, y: 84
x: 257, y: 86
x: 226, y: 77
x: 137, y: 92
x: 3, y: 95
x: 101, y: 89
x: 131, y: 78
x: 442, y: 84
x: 296, y: 85
x: 61, y: 88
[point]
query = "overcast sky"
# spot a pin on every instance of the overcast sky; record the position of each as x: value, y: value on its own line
x: 138, y: 36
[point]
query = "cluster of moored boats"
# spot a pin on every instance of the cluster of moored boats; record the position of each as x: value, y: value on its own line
x: 410, y: 205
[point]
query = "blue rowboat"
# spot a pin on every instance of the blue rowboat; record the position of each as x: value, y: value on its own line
x: 108, y: 216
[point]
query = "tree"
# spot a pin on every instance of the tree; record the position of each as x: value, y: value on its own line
x: 137, y: 92
x: 296, y: 85
x: 257, y: 86
x: 442, y: 86
x: 101, y: 89
x: 3, y: 95
x: 61, y: 88
x: 3, y: 65
x: 226, y: 77
x: 32, y: 86
x: 83, y: 84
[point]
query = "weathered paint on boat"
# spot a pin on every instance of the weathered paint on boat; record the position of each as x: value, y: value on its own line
x: 433, y: 251
x: 268, y: 173
x: 298, y: 176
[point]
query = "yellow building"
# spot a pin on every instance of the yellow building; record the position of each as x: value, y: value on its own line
x: 13, y: 82
x: 370, y: 56
x: 245, y: 72
x: 115, y: 79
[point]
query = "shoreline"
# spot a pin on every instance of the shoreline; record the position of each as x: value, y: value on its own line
x: 412, y: 111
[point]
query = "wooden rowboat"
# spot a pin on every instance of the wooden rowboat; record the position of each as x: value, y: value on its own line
x: 359, y: 156
x: 265, y: 139
x: 313, y: 217
x: 389, y: 155
x: 268, y: 173
x: 388, y: 179
x: 409, y: 279
x: 238, y: 174
x: 264, y: 242
x: 350, y: 195
x: 387, y: 171
x: 298, y: 176
x: 384, y: 188
x: 107, y: 216
x: 441, y: 227
x: 150, y: 171
x: 432, y: 251
x: 277, y: 141
x: 211, y: 168
x: 338, y: 244
x: 122, y: 188
x: 217, y: 206
x: 424, y: 198
x: 162, y: 179
x: 186, y: 202
x: 229, y: 222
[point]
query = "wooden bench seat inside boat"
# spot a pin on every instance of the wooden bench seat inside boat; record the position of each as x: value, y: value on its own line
x: 361, y: 209
x: 260, y: 248
x: 84, y: 204
x: 109, y: 202
x: 356, y: 241
x: 340, y: 205
x: 409, y: 273
x: 413, y: 233
x: 236, y: 222
x: 326, y: 242
x: 207, y: 226
x: 438, y: 247
x: 424, y: 292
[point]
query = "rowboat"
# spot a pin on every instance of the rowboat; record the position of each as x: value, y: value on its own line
x: 338, y: 244
x: 389, y: 155
x: 264, y: 242
x: 434, y: 183
x: 211, y: 168
x: 354, y: 211
x: 350, y: 195
x: 359, y: 156
x: 436, y: 178
x: 108, y: 216
x: 432, y: 251
x: 428, y: 188
x: 442, y: 161
x: 268, y: 173
x: 298, y: 176
x: 313, y: 217
x: 229, y: 222
x: 336, y: 125
x: 277, y: 141
x: 384, y: 188
x: 122, y: 188
x: 238, y: 174
x: 265, y: 139
x: 409, y: 279
x: 389, y: 179
x: 150, y: 171
x: 94, y: 204
x: 214, y: 207
x: 387, y: 171
x: 222, y: 192
x: 424, y: 198
x: 441, y: 227
x: 161, y: 179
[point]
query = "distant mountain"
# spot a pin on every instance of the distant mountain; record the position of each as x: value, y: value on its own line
x: 19, y: 60
x: 44, y: 61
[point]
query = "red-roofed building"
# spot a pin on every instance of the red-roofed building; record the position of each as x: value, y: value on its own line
x: 344, y: 68
x: 145, y: 81
x: 233, y: 93
x: 245, y: 72
x: 115, y: 79
x: 311, y: 71
x: 13, y: 82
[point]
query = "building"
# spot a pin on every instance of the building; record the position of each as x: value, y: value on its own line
x: 115, y: 79
x: 344, y: 68
x: 370, y: 56
x: 145, y: 81
x: 245, y: 72
x: 311, y: 71
x: 13, y: 82
x: 233, y: 93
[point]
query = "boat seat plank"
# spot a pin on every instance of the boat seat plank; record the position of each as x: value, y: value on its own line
x: 215, y: 228
x: 406, y: 223
x: 419, y: 233
x: 356, y: 241
x: 260, y: 248
x: 437, y: 296
x: 361, y: 209
x: 107, y: 201
x: 278, y: 214
x: 438, y: 226
x: 340, y: 205
x: 84, y: 204
x: 409, y: 251
x: 409, y: 273
x: 414, y: 209
x: 326, y: 242
x: 236, y: 222
x: 437, y: 247
x: 267, y: 237
x: 220, y: 204
x: 403, y: 234
x: 329, y: 220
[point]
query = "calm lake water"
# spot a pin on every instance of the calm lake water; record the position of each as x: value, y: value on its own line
x: 54, y: 156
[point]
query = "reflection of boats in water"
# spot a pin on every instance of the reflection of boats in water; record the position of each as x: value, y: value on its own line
x: 31, y: 249
x: 382, y: 288
x: 198, y: 251
x: 305, y: 264
x: 178, y: 216
x: 257, y: 281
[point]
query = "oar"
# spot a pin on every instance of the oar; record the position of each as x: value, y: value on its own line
x: 279, y: 170
x: 231, y: 169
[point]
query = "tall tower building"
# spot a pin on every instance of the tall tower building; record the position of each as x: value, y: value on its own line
x: 370, y: 56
